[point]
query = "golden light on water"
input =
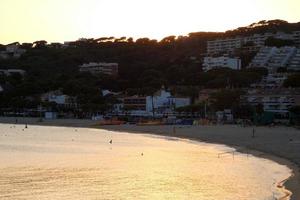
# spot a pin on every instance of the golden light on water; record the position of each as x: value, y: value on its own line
x: 60, y: 163
x: 56, y: 20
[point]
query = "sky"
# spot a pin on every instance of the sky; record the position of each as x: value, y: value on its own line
x: 68, y: 20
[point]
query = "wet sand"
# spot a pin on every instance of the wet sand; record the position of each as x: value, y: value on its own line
x: 281, y: 144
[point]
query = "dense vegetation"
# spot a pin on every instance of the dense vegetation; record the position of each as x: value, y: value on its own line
x: 144, y: 66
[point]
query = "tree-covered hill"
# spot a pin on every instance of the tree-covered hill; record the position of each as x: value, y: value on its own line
x: 144, y: 64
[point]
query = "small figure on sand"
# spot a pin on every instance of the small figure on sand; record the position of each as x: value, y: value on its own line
x: 110, y: 142
x: 26, y: 126
x: 142, y: 154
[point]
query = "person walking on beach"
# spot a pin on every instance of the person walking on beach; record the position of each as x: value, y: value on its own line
x: 253, y: 133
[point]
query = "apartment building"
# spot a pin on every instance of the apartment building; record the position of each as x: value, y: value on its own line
x: 296, y: 36
x: 258, y: 40
x: 9, y: 72
x: 273, y: 58
x: 12, y: 51
x: 100, y: 68
x: 221, y: 62
x: 59, y: 98
x: 294, y: 63
x: 277, y: 101
x: 271, y: 81
x: 160, y: 103
x: 224, y: 45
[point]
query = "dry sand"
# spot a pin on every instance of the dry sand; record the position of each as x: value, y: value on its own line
x: 281, y: 144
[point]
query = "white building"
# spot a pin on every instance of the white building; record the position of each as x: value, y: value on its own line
x: 221, y: 62
x: 12, y: 51
x: 229, y: 45
x: 271, y: 81
x: 161, y: 104
x: 224, y: 45
x: 9, y: 72
x: 225, y: 116
x: 294, y: 63
x: 272, y: 58
x: 263, y: 56
x: 275, y: 101
x: 59, y: 98
x: 96, y: 68
x: 296, y: 36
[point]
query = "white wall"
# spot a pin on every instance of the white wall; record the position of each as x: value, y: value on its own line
x: 219, y: 62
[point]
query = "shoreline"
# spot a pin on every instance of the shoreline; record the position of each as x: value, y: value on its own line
x: 290, y: 186
x: 278, y: 148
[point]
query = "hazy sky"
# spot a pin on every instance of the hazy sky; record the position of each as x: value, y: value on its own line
x: 64, y: 20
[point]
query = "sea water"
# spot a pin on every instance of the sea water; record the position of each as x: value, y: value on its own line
x: 80, y: 163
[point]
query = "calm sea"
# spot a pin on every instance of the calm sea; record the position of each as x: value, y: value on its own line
x: 76, y: 163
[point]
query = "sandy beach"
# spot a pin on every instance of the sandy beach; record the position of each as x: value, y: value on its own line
x: 281, y: 144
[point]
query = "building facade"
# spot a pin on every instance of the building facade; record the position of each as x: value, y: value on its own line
x: 210, y: 63
x: 275, y: 101
x: 224, y: 45
x: 60, y: 99
x: 9, y: 72
x: 273, y: 58
x: 229, y: 45
x: 100, y: 68
x: 161, y: 103
x: 12, y: 51
x: 271, y: 81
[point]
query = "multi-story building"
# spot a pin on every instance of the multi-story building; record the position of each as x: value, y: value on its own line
x: 100, y: 68
x: 59, y: 98
x: 221, y: 62
x: 12, y: 51
x: 263, y: 56
x: 294, y: 63
x: 229, y: 45
x: 271, y: 81
x: 224, y: 45
x: 161, y: 103
x: 273, y: 58
x: 277, y: 101
x: 282, y: 57
x: 9, y: 72
x: 296, y: 36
